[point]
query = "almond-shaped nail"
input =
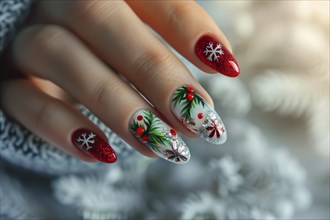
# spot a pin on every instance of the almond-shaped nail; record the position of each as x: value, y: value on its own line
x: 214, y: 54
x: 90, y: 143
x: 197, y: 115
x: 159, y: 137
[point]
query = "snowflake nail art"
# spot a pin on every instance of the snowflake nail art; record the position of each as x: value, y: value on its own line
x: 177, y: 153
x: 197, y: 115
x: 213, y: 129
x: 159, y: 137
x: 93, y: 145
x: 213, y: 54
x: 217, y: 56
x: 86, y: 141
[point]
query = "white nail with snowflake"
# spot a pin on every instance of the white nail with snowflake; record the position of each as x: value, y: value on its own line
x: 159, y: 137
x: 197, y: 115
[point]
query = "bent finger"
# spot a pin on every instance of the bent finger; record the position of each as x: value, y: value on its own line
x: 191, y: 31
x: 54, y: 121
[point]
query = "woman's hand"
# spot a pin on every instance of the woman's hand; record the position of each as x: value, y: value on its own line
x: 145, y: 97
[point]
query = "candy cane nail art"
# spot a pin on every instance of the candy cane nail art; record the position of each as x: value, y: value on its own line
x: 159, y: 137
x: 87, y: 141
x: 217, y: 56
x: 197, y: 115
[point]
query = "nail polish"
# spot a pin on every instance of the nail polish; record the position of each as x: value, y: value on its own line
x: 163, y: 140
x: 214, y: 54
x: 92, y: 144
x: 197, y: 115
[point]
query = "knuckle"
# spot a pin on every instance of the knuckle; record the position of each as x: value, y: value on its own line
x: 45, y: 113
x: 179, y: 13
x: 105, y: 91
x: 96, y: 11
x: 38, y: 42
x: 49, y: 39
x: 152, y: 64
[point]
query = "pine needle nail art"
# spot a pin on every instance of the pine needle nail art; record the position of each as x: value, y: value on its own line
x: 197, y: 115
x: 159, y: 137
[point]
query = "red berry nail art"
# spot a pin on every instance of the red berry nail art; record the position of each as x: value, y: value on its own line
x: 139, y: 130
x: 139, y: 117
x: 173, y: 132
x: 190, y: 96
x: 94, y: 145
x: 217, y: 56
x: 190, y: 89
x: 197, y: 115
x: 159, y: 137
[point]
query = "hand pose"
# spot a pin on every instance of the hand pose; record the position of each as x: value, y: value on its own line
x: 103, y: 55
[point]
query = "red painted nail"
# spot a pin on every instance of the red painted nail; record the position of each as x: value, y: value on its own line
x: 90, y: 143
x: 217, y: 56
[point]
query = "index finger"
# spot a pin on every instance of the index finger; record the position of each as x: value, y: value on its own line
x: 191, y: 31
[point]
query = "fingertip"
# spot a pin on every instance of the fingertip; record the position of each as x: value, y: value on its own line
x: 91, y: 143
x: 214, y: 54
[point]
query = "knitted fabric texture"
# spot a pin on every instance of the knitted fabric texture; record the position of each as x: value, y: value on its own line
x: 12, y: 13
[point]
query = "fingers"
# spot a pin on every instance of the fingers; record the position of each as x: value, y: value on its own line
x: 117, y: 35
x: 54, y: 121
x: 55, y: 54
x: 191, y: 31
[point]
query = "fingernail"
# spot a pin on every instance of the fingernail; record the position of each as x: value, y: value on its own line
x: 92, y: 144
x: 159, y: 137
x: 197, y: 115
x: 217, y: 56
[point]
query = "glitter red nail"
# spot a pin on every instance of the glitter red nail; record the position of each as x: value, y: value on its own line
x: 92, y: 144
x: 217, y: 56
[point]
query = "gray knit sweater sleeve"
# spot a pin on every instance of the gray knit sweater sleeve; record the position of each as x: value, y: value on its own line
x: 12, y: 13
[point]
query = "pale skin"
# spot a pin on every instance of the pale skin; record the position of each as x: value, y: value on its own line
x: 71, y: 46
